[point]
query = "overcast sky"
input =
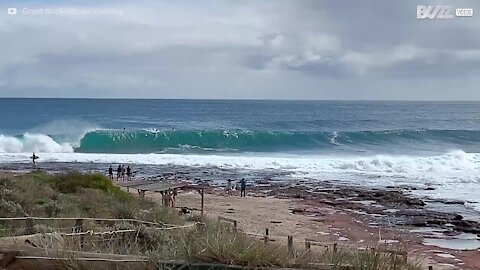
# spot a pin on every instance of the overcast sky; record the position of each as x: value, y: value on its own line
x: 263, y: 49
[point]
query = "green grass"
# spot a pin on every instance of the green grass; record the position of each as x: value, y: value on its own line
x: 72, y: 182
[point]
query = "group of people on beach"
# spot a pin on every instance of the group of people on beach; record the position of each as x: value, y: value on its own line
x: 121, y: 172
x: 232, y: 186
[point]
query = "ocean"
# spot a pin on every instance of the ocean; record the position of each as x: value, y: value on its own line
x: 426, y: 145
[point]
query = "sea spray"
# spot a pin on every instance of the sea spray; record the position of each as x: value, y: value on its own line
x: 32, y: 143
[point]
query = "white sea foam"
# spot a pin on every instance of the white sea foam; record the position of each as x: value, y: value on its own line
x: 67, y: 134
x: 32, y: 143
x: 454, y: 175
x: 66, y: 131
x: 456, y: 162
x: 333, y: 139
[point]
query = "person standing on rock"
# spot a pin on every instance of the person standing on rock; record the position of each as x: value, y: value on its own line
x: 129, y: 173
x: 119, y: 172
x: 110, y: 173
x: 243, y: 187
x: 229, y: 186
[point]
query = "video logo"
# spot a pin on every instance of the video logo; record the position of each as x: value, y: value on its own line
x: 434, y: 12
x: 12, y: 11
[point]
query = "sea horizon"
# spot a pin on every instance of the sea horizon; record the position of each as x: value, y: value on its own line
x: 252, y: 99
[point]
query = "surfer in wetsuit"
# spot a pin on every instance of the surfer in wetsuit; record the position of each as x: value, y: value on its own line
x: 34, y: 157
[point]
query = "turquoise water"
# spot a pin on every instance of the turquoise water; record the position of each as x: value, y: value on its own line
x: 192, y: 126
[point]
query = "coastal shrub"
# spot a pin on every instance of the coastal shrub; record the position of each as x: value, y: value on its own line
x: 161, y: 214
x: 369, y: 258
x: 68, y: 206
x: 25, y: 196
x: 378, y: 258
x: 70, y: 182
x: 216, y: 243
x: 195, y: 217
x: 75, y: 194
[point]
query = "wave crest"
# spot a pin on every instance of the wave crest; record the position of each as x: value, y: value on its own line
x: 197, y: 141
x: 148, y: 141
x: 32, y: 143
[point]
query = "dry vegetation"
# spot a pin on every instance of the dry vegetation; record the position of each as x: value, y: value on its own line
x: 75, y: 194
x: 92, y: 195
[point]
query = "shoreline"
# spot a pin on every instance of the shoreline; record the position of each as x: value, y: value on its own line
x: 217, y: 174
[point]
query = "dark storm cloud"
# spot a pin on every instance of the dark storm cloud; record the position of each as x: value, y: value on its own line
x: 254, y: 49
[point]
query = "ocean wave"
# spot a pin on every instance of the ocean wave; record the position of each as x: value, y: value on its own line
x: 32, y: 143
x: 197, y: 141
x: 148, y: 141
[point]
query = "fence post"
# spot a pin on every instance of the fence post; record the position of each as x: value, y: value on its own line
x: 430, y: 267
x: 307, y: 244
x: 78, y: 229
x: 229, y: 220
x: 290, y: 244
x: 202, y: 194
x: 29, y: 226
x: 334, y: 247
x: 78, y: 225
x: 265, y: 238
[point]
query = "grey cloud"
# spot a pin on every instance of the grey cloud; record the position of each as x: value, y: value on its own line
x: 322, y: 49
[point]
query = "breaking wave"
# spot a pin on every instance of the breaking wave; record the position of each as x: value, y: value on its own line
x: 172, y: 141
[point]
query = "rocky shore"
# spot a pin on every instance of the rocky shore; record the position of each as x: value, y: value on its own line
x: 392, y: 205
x: 389, y: 206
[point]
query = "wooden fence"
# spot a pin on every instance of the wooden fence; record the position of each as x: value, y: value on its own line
x: 78, y: 231
x: 308, y: 243
x: 77, y: 223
